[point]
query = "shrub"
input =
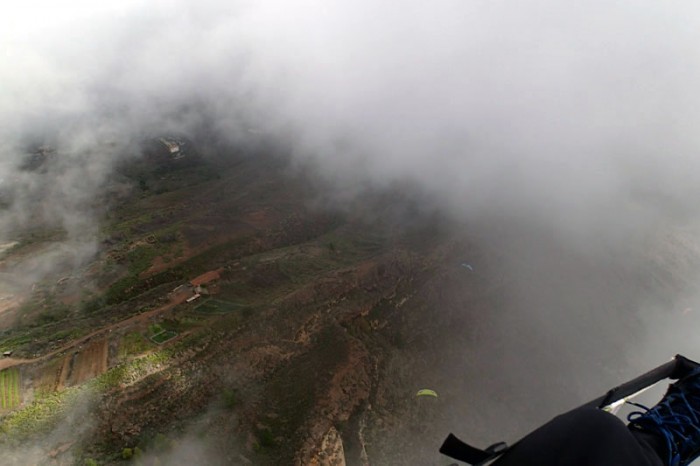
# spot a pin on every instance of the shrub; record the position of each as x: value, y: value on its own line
x: 161, y: 442
x: 230, y: 400
x: 267, y: 440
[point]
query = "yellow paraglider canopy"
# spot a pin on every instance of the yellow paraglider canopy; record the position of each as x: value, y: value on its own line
x: 426, y: 392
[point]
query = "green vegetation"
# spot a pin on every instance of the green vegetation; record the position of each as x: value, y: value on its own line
x: 298, y: 264
x: 354, y: 245
x: 130, y: 371
x: 67, y: 334
x: 54, y: 311
x: 141, y: 257
x: 217, y: 306
x: 167, y: 175
x: 230, y: 398
x: 186, y: 322
x: 43, y: 320
x: 122, y: 290
x: 39, y: 416
x: 45, y: 308
x: 11, y: 343
x: 129, y: 223
x: 10, y: 396
x: 133, y: 344
x: 159, y: 334
x: 299, y: 268
x: 39, y: 336
x: 139, y: 260
x: 131, y: 453
x: 92, y: 304
x: 131, y: 286
x: 163, y: 336
x: 161, y: 443
x: 266, y: 439
x: 44, y: 412
x: 295, y: 258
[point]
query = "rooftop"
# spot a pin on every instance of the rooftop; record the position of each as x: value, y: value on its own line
x: 206, y: 278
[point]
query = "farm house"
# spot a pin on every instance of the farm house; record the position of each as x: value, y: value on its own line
x: 207, y: 282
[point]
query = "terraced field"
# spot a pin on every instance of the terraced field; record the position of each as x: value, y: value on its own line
x: 10, y: 396
x: 217, y: 306
x: 84, y: 364
x: 163, y: 336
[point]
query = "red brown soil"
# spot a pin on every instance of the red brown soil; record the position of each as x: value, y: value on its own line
x: 71, y: 299
x: 8, y: 311
x: 348, y: 388
x: 207, y: 277
x: 11, y: 362
x: 263, y: 218
x: 160, y: 265
x: 49, y: 376
x: 199, y: 240
x: 63, y: 374
x: 84, y: 365
x: 139, y: 319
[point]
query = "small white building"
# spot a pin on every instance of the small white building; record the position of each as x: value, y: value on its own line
x: 172, y: 146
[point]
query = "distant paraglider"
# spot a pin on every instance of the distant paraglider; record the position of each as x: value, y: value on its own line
x: 467, y: 266
x: 427, y: 392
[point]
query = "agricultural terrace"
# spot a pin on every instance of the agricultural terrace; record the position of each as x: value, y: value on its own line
x: 217, y: 306
x: 163, y: 336
x: 9, y: 388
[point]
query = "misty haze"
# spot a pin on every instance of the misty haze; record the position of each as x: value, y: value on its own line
x: 251, y: 232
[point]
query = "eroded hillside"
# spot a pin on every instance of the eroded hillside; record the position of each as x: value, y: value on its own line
x: 231, y: 314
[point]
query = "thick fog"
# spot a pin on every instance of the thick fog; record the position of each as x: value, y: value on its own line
x: 563, y: 135
x: 578, y: 116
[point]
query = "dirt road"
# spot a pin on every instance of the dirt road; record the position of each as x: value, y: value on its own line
x: 140, y: 318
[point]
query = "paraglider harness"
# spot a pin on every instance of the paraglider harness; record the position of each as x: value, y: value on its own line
x: 677, y: 368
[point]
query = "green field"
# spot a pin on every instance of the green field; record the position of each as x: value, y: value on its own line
x: 133, y: 344
x: 9, y: 388
x: 216, y: 306
x: 163, y: 336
